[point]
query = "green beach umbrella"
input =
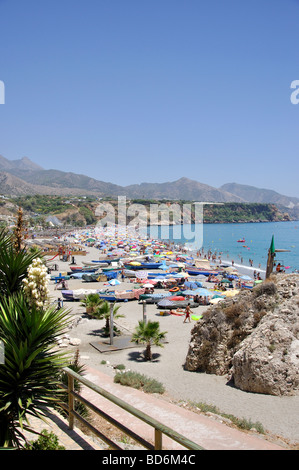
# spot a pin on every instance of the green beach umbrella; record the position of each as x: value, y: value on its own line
x: 272, y: 247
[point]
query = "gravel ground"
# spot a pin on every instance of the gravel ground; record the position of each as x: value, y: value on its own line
x: 278, y: 415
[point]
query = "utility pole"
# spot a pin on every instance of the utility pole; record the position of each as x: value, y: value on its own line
x: 144, y: 311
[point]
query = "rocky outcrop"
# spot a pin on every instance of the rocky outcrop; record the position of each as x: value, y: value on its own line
x: 253, y: 338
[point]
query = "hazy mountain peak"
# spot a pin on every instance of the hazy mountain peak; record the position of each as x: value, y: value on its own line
x: 23, y: 163
x: 26, y: 164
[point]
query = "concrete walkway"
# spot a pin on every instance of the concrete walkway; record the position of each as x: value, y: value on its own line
x: 207, y: 432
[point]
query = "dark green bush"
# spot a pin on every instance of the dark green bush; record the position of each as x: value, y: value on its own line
x: 46, y: 441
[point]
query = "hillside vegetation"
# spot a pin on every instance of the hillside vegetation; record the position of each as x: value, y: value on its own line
x: 81, y: 211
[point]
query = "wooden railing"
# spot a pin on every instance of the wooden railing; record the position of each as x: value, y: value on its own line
x: 159, y: 428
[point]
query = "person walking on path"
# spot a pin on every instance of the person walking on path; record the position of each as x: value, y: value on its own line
x: 187, y: 314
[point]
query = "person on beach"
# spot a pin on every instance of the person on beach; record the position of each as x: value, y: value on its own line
x: 187, y: 314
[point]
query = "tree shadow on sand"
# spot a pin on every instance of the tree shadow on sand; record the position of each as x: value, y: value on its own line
x: 138, y: 356
x: 103, y: 333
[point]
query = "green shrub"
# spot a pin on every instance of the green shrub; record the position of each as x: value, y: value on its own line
x: 268, y: 288
x: 241, y: 423
x: 46, y: 441
x: 139, y: 381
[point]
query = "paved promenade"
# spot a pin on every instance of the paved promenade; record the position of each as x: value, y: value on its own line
x: 207, y: 432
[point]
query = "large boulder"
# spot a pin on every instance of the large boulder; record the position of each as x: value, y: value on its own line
x: 254, y: 338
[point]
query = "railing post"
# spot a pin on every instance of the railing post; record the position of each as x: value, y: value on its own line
x: 158, y: 439
x: 71, y: 400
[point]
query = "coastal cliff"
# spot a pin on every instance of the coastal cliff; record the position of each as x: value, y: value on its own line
x: 252, y: 338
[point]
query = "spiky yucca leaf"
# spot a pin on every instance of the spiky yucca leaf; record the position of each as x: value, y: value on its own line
x: 30, y: 374
x: 13, y: 264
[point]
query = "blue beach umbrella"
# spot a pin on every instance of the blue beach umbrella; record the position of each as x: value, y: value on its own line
x: 189, y: 292
x: 164, y: 267
x: 204, y: 292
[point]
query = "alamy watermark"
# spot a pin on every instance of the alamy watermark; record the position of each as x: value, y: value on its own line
x: 295, y: 94
x: 185, y: 220
x: 2, y: 92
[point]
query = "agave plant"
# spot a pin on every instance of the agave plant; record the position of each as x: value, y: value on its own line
x: 148, y: 333
x: 30, y: 374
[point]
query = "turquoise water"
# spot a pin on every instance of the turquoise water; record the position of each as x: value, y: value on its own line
x: 223, y: 238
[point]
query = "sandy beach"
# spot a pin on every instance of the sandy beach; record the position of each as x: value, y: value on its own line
x: 278, y: 415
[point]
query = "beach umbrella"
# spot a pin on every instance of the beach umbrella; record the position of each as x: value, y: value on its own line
x: 246, y: 278
x: 184, y: 274
x: 176, y: 275
x: 189, y: 292
x: 229, y: 268
x: 165, y: 303
x: 231, y: 293
x: 204, y: 292
x: 114, y: 282
x: 148, y: 281
x: 164, y: 267
x: 142, y: 274
x: 216, y: 300
x: 170, y: 279
x: 191, y: 285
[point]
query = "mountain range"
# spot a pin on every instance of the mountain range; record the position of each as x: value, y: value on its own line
x: 24, y: 177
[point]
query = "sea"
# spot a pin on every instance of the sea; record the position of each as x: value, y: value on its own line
x: 222, y: 239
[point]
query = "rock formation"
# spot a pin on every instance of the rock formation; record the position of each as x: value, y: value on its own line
x: 253, y: 338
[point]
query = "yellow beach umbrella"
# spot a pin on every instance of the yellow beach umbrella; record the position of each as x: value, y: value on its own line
x: 215, y: 301
x: 231, y: 293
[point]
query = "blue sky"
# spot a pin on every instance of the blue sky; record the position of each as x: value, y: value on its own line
x: 132, y: 91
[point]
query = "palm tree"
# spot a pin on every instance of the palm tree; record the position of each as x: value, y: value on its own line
x: 92, y: 302
x: 31, y: 371
x: 148, y: 333
x: 103, y: 312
